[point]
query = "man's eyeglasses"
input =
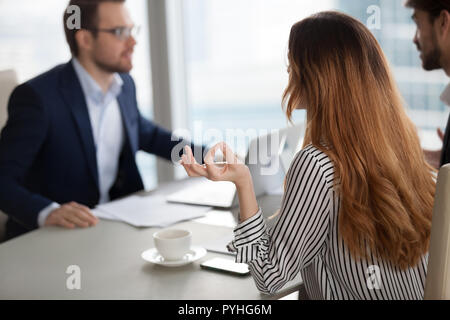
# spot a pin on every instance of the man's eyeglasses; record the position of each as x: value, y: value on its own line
x: 121, y: 33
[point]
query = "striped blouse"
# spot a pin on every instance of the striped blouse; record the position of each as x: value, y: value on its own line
x: 305, y: 239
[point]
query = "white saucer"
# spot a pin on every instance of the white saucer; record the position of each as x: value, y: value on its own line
x: 152, y: 255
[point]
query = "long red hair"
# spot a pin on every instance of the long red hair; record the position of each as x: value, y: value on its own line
x: 355, y: 114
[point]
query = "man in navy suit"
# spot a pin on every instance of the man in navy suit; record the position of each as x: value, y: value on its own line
x: 432, y: 38
x: 73, y: 132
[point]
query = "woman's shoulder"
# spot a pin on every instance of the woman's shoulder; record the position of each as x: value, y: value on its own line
x: 315, y: 159
x: 319, y: 157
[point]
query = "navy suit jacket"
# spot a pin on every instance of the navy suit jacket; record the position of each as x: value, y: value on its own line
x: 47, y: 150
x: 445, y: 156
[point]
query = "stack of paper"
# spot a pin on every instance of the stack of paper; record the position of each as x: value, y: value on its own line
x: 148, y: 211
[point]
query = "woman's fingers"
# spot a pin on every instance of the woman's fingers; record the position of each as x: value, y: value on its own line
x: 190, y: 165
x: 209, y: 158
x: 189, y: 159
x: 210, y: 170
x: 229, y: 155
x: 186, y: 165
x: 214, y: 172
x: 192, y: 169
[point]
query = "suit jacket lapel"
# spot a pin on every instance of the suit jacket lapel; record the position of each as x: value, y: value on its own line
x: 445, y: 145
x: 75, y: 100
x: 444, y: 155
x: 128, y: 122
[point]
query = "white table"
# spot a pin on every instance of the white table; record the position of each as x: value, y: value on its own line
x: 34, y: 265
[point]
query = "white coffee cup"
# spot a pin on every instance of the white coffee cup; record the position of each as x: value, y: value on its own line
x: 173, y: 244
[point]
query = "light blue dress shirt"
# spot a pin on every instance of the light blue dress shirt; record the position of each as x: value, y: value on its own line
x: 107, y: 130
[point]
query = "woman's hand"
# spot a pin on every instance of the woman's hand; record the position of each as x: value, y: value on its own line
x: 232, y: 170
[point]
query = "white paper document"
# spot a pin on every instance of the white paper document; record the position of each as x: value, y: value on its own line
x: 148, y: 211
x: 218, y: 218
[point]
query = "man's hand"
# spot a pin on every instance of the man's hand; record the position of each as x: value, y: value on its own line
x: 440, y: 134
x: 71, y: 215
x: 434, y: 157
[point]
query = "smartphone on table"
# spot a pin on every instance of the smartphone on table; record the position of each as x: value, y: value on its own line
x: 227, y: 266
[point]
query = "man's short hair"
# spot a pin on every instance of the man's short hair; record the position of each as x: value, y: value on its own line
x: 433, y: 7
x: 88, y: 20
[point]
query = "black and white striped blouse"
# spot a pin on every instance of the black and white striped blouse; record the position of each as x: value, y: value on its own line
x: 305, y: 239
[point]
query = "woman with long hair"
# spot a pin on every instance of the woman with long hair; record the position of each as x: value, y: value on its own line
x: 355, y: 218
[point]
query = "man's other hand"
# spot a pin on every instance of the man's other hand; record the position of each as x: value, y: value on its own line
x: 71, y: 215
x: 434, y: 157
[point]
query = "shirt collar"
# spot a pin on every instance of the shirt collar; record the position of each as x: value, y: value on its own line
x: 445, y: 96
x: 91, y: 88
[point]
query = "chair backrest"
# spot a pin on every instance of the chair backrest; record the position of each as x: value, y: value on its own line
x: 8, y: 81
x: 438, y: 274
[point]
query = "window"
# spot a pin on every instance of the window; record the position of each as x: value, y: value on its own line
x: 236, y: 53
x: 236, y: 61
x: 420, y: 89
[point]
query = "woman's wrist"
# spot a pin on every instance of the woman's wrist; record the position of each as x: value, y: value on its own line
x: 244, y: 179
x: 246, y: 194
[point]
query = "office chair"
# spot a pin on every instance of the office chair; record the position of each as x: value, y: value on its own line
x: 8, y: 81
x: 438, y: 274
